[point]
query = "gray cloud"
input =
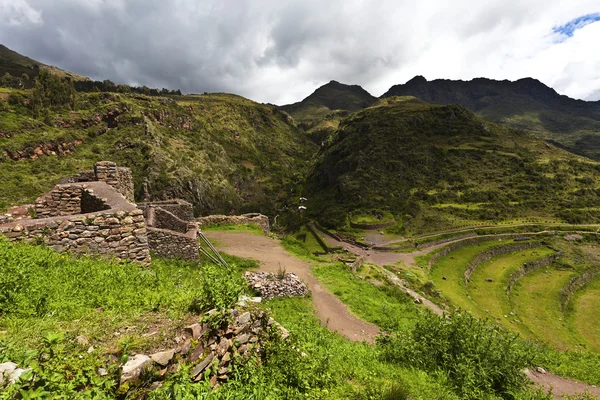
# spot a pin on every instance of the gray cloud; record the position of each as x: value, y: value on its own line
x: 279, y: 52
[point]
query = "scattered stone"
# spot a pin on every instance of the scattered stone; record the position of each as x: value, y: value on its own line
x: 102, y: 372
x: 195, y: 331
x: 489, y: 280
x: 197, y: 353
x: 269, y: 285
x: 242, y: 339
x: 540, y: 370
x: 90, y: 349
x: 134, y: 366
x: 444, y: 278
x: 163, y: 358
x: 184, y: 349
x: 202, y: 365
x: 82, y: 340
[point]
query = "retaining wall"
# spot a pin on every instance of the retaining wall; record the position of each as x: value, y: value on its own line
x: 262, y: 221
x: 171, y: 244
x: 117, y: 233
x: 180, y: 208
x: 574, y: 285
x: 527, y: 268
x: 495, y: 252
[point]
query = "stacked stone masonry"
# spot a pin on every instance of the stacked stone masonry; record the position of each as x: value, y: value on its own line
x: 118, y: 233
x: 262, y: 221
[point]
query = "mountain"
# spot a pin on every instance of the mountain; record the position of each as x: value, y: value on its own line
x: 437, y: 167
x: 16, y: 64
x: 525, y: 104
x: 221, y: 152
x: 320, y: 113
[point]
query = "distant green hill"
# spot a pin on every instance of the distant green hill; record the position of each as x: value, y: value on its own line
x: 440, y: 167
x: 525, y: 104
x: 320, y: 113
x: 222, y: 152
x: 15, y: 64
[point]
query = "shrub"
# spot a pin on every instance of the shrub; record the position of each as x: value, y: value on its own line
x: 479, y: 359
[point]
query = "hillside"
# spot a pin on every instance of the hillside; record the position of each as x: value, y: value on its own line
x: 15, y: 64
x: 222, y: 152
x: 320, y: 113
x: 524, y: 104
x: 438, y: 167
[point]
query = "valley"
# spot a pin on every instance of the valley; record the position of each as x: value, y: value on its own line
x: 447, y: 233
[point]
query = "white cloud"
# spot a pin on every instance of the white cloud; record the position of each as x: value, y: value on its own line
x: 279, y: 52
x: 16, y: 13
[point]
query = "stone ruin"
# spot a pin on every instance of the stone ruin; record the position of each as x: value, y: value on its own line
x: 94, y: 212
x: 89, y: 213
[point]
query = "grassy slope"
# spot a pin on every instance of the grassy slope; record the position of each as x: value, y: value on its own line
x: 491, y: 296
x: 537, y: 302
x: 408, y: 157
x: 586, y: 314
x: 221, y: 152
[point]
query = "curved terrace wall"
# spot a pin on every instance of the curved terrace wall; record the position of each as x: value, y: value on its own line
x: 495, y: 252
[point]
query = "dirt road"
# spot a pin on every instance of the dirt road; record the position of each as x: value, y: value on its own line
x: 272, y: 256
x: 560, y: 386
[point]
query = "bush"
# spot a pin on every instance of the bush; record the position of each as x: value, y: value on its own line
x: 479, y: 359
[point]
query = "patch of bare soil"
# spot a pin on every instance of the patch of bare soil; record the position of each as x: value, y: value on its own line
x: 272, y: 257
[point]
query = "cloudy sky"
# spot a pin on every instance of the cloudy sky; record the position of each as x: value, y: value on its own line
x: 279, y: 51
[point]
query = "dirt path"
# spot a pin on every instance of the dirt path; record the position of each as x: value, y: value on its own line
x: 561, y: 386
x: 272, y: 256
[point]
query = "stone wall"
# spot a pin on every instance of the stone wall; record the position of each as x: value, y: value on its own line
x: 62, y: 200
x: 116, y: 233
x: 527, y: 268
x: 495, y: 252
x: 171, y: 244
x: 262, y: 221
x: 576, y: 284
x: 106, y: 171
x: 163, y: 219
x: 180, y: 208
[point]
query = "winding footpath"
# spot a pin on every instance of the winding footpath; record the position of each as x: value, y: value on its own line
x: 272, y: 256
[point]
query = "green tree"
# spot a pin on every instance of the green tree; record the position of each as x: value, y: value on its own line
x: 7, y: 80
x: 51, y: 92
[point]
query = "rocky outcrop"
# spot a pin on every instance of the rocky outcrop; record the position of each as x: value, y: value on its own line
x: 212, y: 352
x: 270, y: 286
x: 43, y: 149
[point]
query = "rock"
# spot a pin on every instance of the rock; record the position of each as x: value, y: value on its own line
x: 489, y: 280
x: 195, y: 331
x: 223, y: 370
x: 90, y: 349
x: 82, y: 340
x: 225, y: 359
x: 202, y: 365
x: 242, y: 339
x: 244, y: 318
x: 102, y: 372
x: 444, y: 278
x: 134, y: 367
x: 163, y: 358
x: 270, y: 285
x: 197, y: 353
x: 213, y: 381
x: 184, y: 349
x: 223, y: 346
x: 540, y: 370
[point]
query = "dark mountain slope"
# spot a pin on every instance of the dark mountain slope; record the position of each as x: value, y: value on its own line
x: 439, y: 167
x: 526, y: 104
x: 15, y: 64
x: 320, y: 113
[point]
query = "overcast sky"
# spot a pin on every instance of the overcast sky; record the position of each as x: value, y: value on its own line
x: 280, y: 51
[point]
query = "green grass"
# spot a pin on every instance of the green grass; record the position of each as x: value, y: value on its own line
x: 358, y: 368
x: 491, y: 296
x: 452, y: 267
x: 246, y: 228
x: 586, y: 314
x: 536, y: 299
x: 385, y: 306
